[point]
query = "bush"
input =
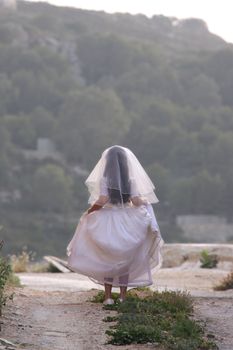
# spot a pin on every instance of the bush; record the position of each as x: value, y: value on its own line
x: 5, y: 271
x: 13, y: 280
x: 20, y: 262
x: 7, y: 278
x: 158, y: 318
x: 208, y: 260
x: 226, y: 283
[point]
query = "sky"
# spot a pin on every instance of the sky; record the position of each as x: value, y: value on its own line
x: 217, y: 14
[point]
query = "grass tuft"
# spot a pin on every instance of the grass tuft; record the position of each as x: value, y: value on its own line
x: 20, y: 262
x: 5, y: 273
x: 208, y: 260
x: 159, y: 318
x: 226, y: 283
x: 99, y: 297
x: 13, y: 280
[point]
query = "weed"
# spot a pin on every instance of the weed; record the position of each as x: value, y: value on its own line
x: 6, y: 278
x: 226, y: 283
x: 20, y: 262
x: 158, y: 318
x: 39, y: 267
x: 208, y: 260
x: 5, y: 275
x: 110, y: 319
x: 99, y: 297
x: 13, y: 280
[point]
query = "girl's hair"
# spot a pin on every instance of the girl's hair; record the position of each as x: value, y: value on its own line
x: 117, y: 175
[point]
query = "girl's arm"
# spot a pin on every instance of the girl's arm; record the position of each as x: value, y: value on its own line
x: 98, y: 204
x: 137, y: 201
x: 135, y: 198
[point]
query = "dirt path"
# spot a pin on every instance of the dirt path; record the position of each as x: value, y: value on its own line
x: 218, y: 315
x: 57, y: 315
x: 40, y: 320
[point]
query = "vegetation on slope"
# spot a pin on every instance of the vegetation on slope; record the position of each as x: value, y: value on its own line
x: 87, y: 80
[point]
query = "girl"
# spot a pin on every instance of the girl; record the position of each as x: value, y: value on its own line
x: 117, y: 242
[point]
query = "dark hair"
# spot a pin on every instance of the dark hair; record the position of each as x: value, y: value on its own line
x: 117, y: 172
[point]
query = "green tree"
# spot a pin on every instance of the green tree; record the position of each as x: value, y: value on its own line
x: 146, y: 79
x: 203, y: 92
x: 219, y: 63
x: 199, y: 194
x: 90, y: 121
x: 207, y: 193
x: 4, y: 159
x: 181, y: 196
x: 161, y: 178
x: 111, y: 55
x: 21, y: 130
x: 187, y: 155
x: 226, y: 88
x: 8, y: 93
x: 220, y: 155
x: 52, y: 188
x: 43, y: 122
x: 34, y: 91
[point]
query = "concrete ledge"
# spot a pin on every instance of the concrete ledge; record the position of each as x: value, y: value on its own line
x: 175, y: 254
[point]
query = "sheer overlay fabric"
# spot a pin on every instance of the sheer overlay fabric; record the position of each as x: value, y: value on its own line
x: 120, y: 244
x: 121, y: 173
x: 117, y: 246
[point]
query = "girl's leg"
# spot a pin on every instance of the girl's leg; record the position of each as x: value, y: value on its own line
x: 108, y: 288
x: 123, y: 289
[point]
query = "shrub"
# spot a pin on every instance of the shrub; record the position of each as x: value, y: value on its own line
x: 5, y: 271
x: 158, y: 318
x: 20, y: 262
x: 226, y: 283
x: 208, y: 260
x: 7, y: 278
x: 13, y: 280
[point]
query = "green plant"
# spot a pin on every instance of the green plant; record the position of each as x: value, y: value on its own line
x: 20, y: 262
x: 208, y: 260
x: 99, y: 297
x: 7, y: 278
x: 158, y: 318
x: 5, y: 273
x: 226, y: 283
x: 13, y: 280
x: 110, y: 319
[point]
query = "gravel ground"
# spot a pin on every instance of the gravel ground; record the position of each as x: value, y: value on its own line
x: 53, y: 311
x: 42, y: 320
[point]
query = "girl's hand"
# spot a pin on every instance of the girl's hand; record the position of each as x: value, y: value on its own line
x: 93, y: 208
x: 102, y: 200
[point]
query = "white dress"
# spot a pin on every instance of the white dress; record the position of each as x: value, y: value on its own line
x: 119, y: 245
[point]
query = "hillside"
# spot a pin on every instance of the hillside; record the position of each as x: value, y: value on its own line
x: 83, y: 80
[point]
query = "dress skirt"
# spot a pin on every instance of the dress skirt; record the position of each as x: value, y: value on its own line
x: 117, y: 245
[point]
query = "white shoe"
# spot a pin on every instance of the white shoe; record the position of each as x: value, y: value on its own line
x: 121, y: 300
x: 108, y: 301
